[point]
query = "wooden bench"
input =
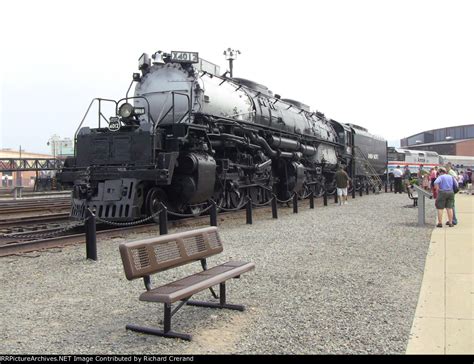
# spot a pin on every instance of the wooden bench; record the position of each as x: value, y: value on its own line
x: 143, y: 258
x: 412, y: 197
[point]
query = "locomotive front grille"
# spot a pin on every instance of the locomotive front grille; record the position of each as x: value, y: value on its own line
x: 102, y: 210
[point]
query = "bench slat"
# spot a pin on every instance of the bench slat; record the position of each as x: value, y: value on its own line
x: 188, y: 286
x: 149, y: 256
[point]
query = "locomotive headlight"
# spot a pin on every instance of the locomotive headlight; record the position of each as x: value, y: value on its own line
x: 125, y: 110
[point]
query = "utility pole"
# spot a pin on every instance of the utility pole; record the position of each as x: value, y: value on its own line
x: 19, y: 182
x: 230, y: 55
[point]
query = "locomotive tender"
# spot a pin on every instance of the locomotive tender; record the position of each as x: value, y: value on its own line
x: 189, y: 135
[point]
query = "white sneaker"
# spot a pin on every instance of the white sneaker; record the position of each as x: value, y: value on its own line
x: 345, y: 203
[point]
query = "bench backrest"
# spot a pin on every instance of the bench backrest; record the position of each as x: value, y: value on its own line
x: 145, y: 257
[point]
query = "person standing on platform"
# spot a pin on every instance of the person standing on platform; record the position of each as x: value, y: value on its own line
x: 406, y: 177
x: 342, y: 182
x: 444, y: 184
x: 419, y: 176
x: 454, y: 175
x: 397, y: 176
x: 433, y: 176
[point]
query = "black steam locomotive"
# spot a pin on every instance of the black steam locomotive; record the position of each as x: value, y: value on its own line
x: 189, y: 135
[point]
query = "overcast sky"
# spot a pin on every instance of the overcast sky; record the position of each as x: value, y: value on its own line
x: 394, y: 67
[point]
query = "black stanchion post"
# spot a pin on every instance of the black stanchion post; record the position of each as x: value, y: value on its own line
x: 353, y: 192
x: 311, y: 200
x: 367, y: 189
x: 295, y: 203
x: 274, y: 207
x: 91, y: 241
x: 163, y: 220
x: 335, y: 196
x: 391, y: 187
x: 361, y: 191
x: 249, y: 211
x: 325, y: 198
x: 213, y: 214
x: 386, y: 187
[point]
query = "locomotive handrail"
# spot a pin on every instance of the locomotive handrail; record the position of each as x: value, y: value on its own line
x: 189, y: 104
x: 85, y: 115
x: 173, y: 104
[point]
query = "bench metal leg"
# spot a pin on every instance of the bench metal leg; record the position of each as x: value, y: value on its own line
x: 222, y: 301
x: 157, y: 332
x: 166, y: 332
x: 216, y: 305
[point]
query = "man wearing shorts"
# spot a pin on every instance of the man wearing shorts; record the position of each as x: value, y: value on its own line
x: 342, y: 181
x: 444, y: 184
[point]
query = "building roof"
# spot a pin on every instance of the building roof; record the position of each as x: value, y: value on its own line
x: 454, y: 141
x: 11, y: 153
x: 432, y: 130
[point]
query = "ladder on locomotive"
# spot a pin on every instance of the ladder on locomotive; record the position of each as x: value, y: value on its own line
x: 373, y: 178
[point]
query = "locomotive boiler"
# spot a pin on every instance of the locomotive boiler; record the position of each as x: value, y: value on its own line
x: 189, y: 135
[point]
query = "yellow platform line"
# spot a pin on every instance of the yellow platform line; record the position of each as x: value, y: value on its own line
x: 444, y: 317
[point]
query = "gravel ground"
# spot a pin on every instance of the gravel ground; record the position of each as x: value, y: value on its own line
x: 339, y: 279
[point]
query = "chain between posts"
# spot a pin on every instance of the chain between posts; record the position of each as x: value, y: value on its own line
x: 286, y: 201
x: 35, y: 235
x: 131, y: 223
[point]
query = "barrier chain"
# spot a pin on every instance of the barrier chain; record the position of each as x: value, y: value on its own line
x: 35, y: 235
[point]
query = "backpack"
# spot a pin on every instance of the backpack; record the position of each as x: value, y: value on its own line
x: 455, y: 185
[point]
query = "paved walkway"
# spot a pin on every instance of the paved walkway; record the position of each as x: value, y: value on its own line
x: 444, y: 318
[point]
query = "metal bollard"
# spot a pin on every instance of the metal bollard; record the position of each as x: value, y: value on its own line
x: 361, y: 191
x: 325, y: 198
x: 353, y: 192
x: 386, y: 187
x: 373, y: 189
x: 367, y: 189
x: 335, y: 196
x: 311, y: 200
x: 295, y: 203
x: 391, y: 187
x: 274, y: 207
x: 213, y: 214
x: 91, y: 240
x: 249, y: 211
x: 163, y: 220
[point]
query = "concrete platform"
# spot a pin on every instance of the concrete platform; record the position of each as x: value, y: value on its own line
x: 444, y: 318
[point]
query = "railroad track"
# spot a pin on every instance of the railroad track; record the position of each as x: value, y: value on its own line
x: 31, y: 223
x: 12, y: 246
x: 14, y: 212
x: 32, y: 201
x: 6, y: 194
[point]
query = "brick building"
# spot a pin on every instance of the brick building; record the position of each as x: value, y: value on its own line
x: 456, y: 140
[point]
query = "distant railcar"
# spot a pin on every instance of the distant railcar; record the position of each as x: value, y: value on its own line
x: 414, y: 159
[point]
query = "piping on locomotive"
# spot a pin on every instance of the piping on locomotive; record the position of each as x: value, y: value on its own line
x: 189, y: 135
